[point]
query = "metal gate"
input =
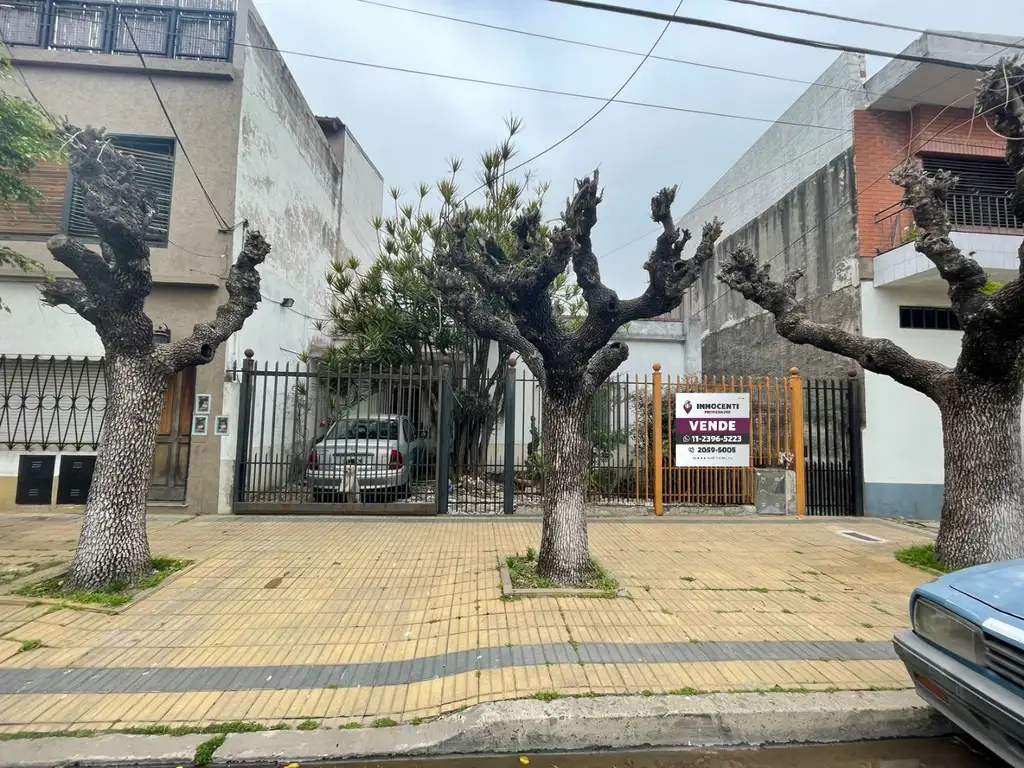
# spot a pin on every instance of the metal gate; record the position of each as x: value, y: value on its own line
x: 361, y: 440
x: 833, y: 452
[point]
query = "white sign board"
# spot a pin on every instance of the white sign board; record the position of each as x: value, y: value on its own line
x: 712, y: 429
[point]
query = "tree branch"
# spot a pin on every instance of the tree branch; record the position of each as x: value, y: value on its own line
x: 580, y: 216
x: 604, y: 363
x: 118, y: 206
x: 243, y: 287
x: 90, y: 267
x: 459, y: 297
x: 71, y: 293
x: 1001, y: 95
x: 741, y: 272
x: 670, y: 274
x: 925, y: 196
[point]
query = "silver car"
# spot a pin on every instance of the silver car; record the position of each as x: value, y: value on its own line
x: 384, y: 451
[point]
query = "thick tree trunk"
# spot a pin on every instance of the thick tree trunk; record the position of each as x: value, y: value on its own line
x: 564, y: 550
x: 113, y: 546
x: 983, y: 509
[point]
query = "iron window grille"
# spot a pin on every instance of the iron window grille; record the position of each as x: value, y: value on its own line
x: 983, y: 196
x: 929, y: 318
x: 51, y: 403
x: 156, y: 158
x: 176, y: 29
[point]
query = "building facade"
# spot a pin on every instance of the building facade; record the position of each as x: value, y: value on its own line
x: 245, y: 143
x: 819, y: 199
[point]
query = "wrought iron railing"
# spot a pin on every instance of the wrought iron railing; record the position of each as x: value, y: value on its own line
x: 178, y: 29
x: 989, y: 211
x: 51, y: 403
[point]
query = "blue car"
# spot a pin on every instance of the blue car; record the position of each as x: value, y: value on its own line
x: 966, y: 652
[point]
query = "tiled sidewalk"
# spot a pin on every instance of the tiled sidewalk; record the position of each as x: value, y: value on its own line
x: 344, y: 620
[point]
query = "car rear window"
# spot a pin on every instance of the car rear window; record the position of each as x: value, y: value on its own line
x: 364, y: 429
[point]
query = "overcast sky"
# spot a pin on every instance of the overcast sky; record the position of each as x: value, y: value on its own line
x: 409, y: 124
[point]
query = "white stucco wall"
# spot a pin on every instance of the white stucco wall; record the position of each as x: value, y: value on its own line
x: 903, y: 435
x: 35, y: 329
x: 292, y: 187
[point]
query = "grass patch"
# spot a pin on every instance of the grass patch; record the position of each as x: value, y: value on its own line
x: 546, y: 696
x: 204, y: 752
x: 351, y: 726
x: 308, y: 725
x: 116, y: 595
x: 688, y: 578
x: 921, y: 556
x: 523, y: 572
x: 686, y: 692
x: 417, y: 721
x: 30, y: 645
x: 383, y: 722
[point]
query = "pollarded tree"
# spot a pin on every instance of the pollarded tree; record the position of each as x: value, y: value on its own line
x: 569, y: 363
x: 110, y: 292
x: 979, y: 399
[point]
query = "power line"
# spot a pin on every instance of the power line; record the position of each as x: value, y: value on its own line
x: 221, y: 221
x: 867, y: 22
x: 791, y: 39
x: 613, y: 49
x: 590, y: 119
x: 669, y: 59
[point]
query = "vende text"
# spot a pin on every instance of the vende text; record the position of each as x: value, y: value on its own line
x: 712, y: 426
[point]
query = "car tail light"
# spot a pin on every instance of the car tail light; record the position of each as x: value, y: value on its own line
x: 314, y: 460
x: 397, y: 460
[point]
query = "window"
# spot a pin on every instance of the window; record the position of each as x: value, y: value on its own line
x: 929, y: 318
x: 156, y: 158
x: 983, y: 196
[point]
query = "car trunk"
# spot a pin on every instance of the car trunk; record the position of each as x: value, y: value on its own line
x: 370, y: 453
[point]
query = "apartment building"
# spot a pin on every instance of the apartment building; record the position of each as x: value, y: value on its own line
x: 244, y: 143
x: 814, y: 194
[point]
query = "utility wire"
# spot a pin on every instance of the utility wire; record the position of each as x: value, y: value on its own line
x: 867, y: 22
x: 626, y: 51
x: 791, y: 39
x: 221, y: 221
x: 590, y: 119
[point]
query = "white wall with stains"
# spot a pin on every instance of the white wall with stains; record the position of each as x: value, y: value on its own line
x: 314, y: 200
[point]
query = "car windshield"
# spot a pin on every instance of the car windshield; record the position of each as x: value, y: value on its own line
x: 365, y: 429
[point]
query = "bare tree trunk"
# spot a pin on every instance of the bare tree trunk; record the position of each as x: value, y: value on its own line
x: 564, y: 550
x: 113, y: 546
x: 983, y: 509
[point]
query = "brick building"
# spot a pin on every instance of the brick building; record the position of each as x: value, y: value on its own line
x: 813, y: 193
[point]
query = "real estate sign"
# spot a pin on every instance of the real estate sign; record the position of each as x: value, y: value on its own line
x: 712, y: 430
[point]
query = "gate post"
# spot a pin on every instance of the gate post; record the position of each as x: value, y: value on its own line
x: 444, y: 438
x: 510, y: 438
x: 242, y: 438
x: 659, y: 501
x: 856, y: 445
x: 796, y: 420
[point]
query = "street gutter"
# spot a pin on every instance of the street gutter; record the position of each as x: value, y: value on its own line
x: 530, y: 727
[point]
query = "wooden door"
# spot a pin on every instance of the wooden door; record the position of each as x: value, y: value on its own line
x: 173, y: 438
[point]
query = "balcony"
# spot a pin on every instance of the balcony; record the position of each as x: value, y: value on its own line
x: 176, y: 29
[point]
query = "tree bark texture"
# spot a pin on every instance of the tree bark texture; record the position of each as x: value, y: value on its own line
x: 113, y: 546
x: 983, y: 506
x: 564, y: 548
x: 111, y: 290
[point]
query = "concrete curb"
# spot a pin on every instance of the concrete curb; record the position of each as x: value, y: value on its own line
x: 565, y: 725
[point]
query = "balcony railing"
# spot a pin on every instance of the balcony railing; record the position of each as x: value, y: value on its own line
x: 176, y: 29
x: 968, y: 211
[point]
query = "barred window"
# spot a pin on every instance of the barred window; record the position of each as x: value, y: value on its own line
x: 929, y: 318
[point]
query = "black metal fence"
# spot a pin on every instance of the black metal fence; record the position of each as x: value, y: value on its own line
x: 179, y: 29
x: 833, y: 451
x: 422, y: 440
x: 51, y: 403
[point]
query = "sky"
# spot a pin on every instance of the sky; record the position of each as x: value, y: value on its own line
x: 410, y: 124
